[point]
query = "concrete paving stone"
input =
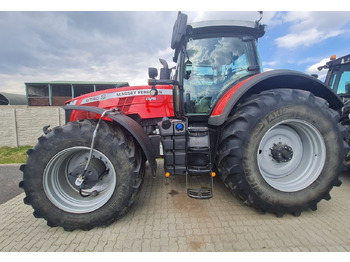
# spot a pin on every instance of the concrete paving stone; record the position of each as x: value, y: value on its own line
x: 172, y: 226
x: 164, y: 241
x: 219, y: 247
x: 81, y: 247
x: 117, y: 249
x: 66, y: 248
x: 340, y: 249
x: 164, y: 219
x: 146, y: 245
x: 254, y: 245
x: 304, y: 249
x: 164, y: 234
x: 63, y: 248
x: 164, y: 227
x: 220, y: 230
x: 188, y: 232
x: 70, y: 237
x: 119, y: 243
x: 155, y: 245
x: 109, y: 247
x: 79, y: 237
x: 92, y: 246
x: 181, y: 232
x: 197, y: 232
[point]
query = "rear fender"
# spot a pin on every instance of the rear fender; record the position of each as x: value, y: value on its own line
x: 130, y: 125
x: 273, y: 79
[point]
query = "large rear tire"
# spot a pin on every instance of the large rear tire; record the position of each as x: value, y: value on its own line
x: 282, y: 151
x: 49, y: 182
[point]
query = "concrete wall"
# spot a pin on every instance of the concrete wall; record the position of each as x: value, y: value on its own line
x: 22, y: 125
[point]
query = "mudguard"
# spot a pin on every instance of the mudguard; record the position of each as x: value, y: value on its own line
x: 271, y: 80
x: 131, y: 126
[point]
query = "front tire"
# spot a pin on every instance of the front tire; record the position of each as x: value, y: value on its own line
x: 49, y: 181
x: 282, y: 151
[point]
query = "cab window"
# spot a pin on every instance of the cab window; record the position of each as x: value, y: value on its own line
x: 211, y: 66
x: 344, y: 83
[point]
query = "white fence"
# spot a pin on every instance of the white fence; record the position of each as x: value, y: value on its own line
x: 22, y: 125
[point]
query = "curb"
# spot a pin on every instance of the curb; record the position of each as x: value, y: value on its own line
x: 14, y: 164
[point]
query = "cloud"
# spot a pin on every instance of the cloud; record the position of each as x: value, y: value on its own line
x: 87, y: 46
x: 313, y: 69
x: 271, y: 63
x: 120, y: 46
x: 305, y: 38
x: 228, y: 15
x: 309, y: 28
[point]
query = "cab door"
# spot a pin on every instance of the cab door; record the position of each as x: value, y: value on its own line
x: 211, y: 66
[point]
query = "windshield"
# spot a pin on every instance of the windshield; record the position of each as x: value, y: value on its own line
x: 211, y: 66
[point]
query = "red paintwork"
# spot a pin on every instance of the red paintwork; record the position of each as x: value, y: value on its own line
x: 227, y: 96
x: 136, y: 100
x: 131, y: 100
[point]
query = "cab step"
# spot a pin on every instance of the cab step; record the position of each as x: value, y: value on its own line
x: 199, y: 161
x: 203, y: 192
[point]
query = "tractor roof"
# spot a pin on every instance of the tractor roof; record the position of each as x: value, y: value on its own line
x: 334, y: 62
x: 339, y: 61
x: 212, y: 28
x: 227, y: 26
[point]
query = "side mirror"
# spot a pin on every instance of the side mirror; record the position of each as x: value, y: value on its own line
x: 152, y: 72
x: 179, y: 30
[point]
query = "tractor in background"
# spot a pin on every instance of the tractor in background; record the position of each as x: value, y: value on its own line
x: 338, y: 79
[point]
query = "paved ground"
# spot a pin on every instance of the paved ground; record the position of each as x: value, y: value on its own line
x: 10, y: 176
x: 165, y: 219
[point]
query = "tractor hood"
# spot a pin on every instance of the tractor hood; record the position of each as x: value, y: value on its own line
x: 131, y: 100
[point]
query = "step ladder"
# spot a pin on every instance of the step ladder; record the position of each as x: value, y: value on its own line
x: 200, y: 193
x: 198, y: 161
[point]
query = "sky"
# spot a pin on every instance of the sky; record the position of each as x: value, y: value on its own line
x: 119, y: 46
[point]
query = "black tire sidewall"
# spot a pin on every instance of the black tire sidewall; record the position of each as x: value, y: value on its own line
x: 271, y: 116
x: 62, y: 139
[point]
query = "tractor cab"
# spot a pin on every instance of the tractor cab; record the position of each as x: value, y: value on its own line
x: 338, y: 79
x: 212, y: 57
x: 338, y: 76
x: 216, y: 55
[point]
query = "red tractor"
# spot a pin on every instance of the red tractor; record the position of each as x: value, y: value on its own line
x: 273, y: 138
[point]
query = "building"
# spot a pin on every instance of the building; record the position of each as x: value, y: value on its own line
x: 55, y: 93
x: 12, y: 99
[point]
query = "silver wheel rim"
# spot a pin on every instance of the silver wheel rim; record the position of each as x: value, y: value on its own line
x: 63, y: 194
x: 308, y: 155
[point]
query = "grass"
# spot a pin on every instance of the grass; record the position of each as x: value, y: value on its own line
x: 13, y: 155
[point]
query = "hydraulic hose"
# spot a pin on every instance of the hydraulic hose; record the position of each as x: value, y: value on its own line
x: 80, y: 180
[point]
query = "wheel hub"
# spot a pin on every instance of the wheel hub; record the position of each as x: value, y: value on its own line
x: 94, y: 172
x: 61, y: 189
x: 281, y: 153
x: 291, y: 155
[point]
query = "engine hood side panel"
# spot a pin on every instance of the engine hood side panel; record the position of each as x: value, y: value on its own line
x: 131, y: 100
